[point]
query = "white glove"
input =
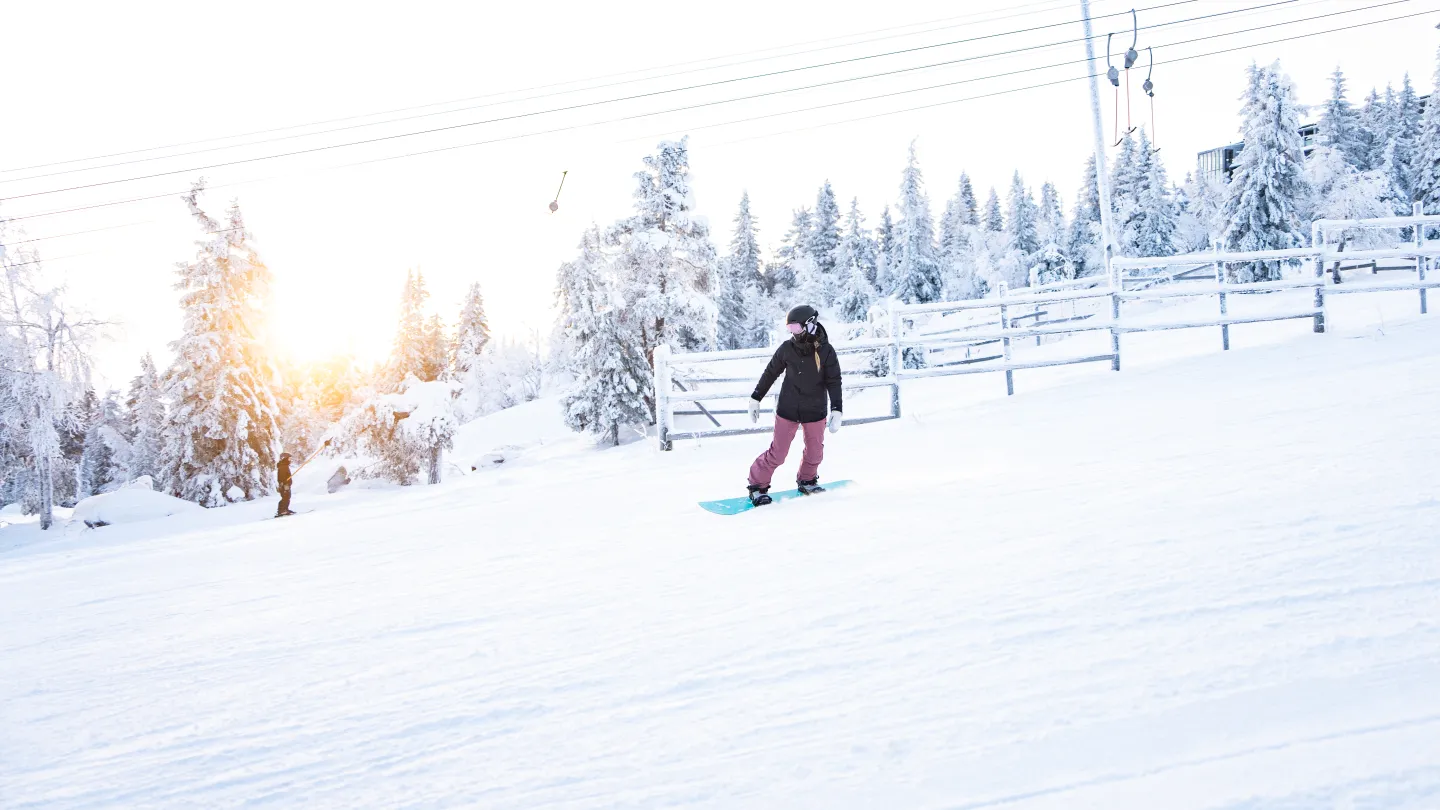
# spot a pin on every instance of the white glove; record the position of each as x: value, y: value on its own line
x: 834, y: 421
x: 754, y: 407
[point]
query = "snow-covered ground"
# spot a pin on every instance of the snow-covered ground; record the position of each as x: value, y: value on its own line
x: 1209, y: 581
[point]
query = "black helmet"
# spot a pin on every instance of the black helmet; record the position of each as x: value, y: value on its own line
x: 806, y: 316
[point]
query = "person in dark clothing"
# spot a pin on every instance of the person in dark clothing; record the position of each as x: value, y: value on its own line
x: 809, y: 402
x: 282, y: 477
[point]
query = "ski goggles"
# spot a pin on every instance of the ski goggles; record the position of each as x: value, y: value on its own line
x: 795, y: 328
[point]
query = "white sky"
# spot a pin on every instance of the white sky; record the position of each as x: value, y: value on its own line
x: 87, y: 79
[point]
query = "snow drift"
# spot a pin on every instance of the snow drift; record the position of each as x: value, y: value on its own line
x: 130, y: 505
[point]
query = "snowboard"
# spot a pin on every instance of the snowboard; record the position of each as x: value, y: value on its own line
x: 293, y: 514
x: 734, y: 506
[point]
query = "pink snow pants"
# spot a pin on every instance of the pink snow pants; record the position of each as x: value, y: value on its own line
x: 764, y: 467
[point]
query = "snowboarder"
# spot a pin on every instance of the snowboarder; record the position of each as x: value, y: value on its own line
x: 282, y: 477
x: 812, y: 370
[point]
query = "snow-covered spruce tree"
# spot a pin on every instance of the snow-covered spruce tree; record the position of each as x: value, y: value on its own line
x: 1150, y: 229
x: 1268, y: 189
x: 1405, y: 135
x: 1126, y: 180
x: 472, y: 336
x: 612, y: 387
x: 411, y: 355
x: 738, y: 273
x: 993, y: 220
x: 1021, y: 218
x: 1340, y: 124
x: 1340, y: 191
x: 665, y: 265
x: 957, y: 228
x: 816, y: 282
x: 438, y: 350
x: 1425, y: 165
x: 785, y: 276
x: 1051, y: 263
x: 855, y: 258
x: 145, y: 416
x: 220, y: 443
x: 825, y: 233
x: 1372, y: 130
x: 105, y: 454
x: 402, y: 431
x: 1085, y: 244
x: 884, y: 280
x: 916, y: 264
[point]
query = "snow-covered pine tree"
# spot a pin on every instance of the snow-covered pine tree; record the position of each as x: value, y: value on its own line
x: 438, y: 350
x: 993, y: 220
x: 221, y: 441
x: 411, y: 352
x: 1340, y: 124
x: 1373, y: 122
x: 1425, y: 165
x: 472, y: 336
x: 884, y: 253
x: 1405, y: 132
x: 788, y: 274
x: 1127, y: 177
x: 1151, y: 228
x: 957, y: 226
x: 916, y: 268
x: 1268, y: 189
x: 738, y: 273
x: 105, y: 454
x: 825, y: 233
x: 1340, y: 191
x: 1085, y: 244
x: 666, y: 266
x: 145, y: 413
x: 1051, y: 263
x: 855, y: 259
x: 1020, y: 218
x: 612, y: 380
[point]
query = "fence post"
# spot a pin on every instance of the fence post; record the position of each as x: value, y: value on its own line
x: 1320, y: 292
x: 1224, y: 308
x: 1419, y: 211
x: 1005, y: 342
x: 895, y: 356
x: 662, y: 396
x: 1116, y: 287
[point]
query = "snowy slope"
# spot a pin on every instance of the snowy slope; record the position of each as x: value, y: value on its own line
x: 1204, y: 583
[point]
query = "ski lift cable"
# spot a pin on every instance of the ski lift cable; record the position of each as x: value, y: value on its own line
x: 1051, y: 5
x: 1084, y: 77
x: 463, y: 125
x: 715, y: 83
x: 829, y: 105
x: 824, y: 106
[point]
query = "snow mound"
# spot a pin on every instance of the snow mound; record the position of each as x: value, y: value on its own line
x: 503, y: 435
x: 130, y: 506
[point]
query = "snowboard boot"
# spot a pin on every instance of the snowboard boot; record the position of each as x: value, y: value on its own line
x: 810, y: 487
x: 759, y: 496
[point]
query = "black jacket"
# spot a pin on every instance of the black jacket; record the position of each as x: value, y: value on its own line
x: 282, y: 472
x: 802, y: 394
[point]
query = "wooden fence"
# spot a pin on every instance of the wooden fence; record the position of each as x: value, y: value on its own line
x: 1022, y: 314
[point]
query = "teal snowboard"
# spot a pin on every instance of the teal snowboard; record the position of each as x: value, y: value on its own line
x: 734, y: 506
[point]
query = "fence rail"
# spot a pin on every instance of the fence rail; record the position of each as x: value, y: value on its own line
x: 905, y: 334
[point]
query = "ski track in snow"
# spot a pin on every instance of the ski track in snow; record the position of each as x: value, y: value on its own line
x: 1210, y: 583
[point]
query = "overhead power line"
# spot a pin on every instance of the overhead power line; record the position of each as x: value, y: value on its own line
x: 1052, y: 5
x: 840, y: 103
x: 1051, y: 83
x: 518, y: 116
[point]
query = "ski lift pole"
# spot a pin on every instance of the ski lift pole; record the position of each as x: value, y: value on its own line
x: 1102, y: 173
